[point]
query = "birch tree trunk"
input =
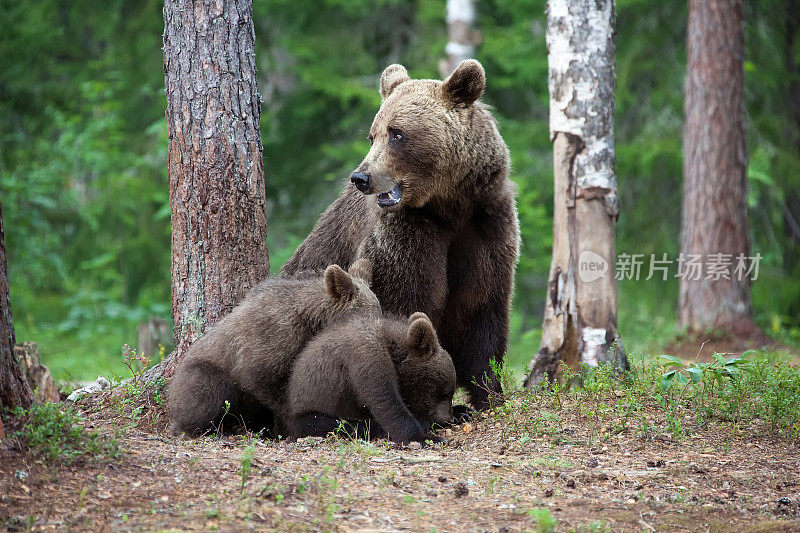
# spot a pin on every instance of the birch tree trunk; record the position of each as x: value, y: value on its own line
x: 14, y: 388
x: 715, y: 159
x: 580, y: 318
x: 461, y: 33
x: 216, y: 175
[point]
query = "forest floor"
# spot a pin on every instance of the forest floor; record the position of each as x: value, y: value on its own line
x: 600, y: 459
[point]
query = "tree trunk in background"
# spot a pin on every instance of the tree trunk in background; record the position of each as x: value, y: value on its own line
x: 14, y: 388
x: 715, y: 159
x: 791, y: 202
x: 580, y: 318
x: 216, y: 174
x: 462, y: 36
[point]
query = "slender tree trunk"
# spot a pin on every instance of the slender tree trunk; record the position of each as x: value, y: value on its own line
x: 216, y: 175
x: 14, y: 388
x: 715, y: 159
x: 580, y: 318
x: 462, y: 35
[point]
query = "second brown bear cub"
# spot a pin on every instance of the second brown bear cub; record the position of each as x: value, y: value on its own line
x: 387, y: 372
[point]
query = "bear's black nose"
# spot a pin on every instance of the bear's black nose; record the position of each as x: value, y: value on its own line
x: 360, y: 180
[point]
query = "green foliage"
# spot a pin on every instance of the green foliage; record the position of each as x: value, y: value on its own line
x: 83, y: 151
x: 53, y: 433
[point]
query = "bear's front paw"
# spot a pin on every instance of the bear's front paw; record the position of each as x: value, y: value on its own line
x: 462, y: 414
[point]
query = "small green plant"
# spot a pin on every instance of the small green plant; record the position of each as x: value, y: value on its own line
x: 708, y: 373
x: 505, y: 375
x: 136, y: 363
x: 159, y: 386
x: 545, y: 523
x: 327, y: 487
x: 53, y: 432
x: 246, y: 465
x: 490, y: 488
x: 218, y: 427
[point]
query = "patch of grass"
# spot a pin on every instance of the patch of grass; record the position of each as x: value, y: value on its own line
x: 69, y: 355
x: 53, y: 433
x: 592, y: 527
x: 757, y: 387
x: 758, y: 393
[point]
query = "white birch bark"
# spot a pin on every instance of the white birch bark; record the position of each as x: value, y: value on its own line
x: 461, y: 33
x: 580, y: 319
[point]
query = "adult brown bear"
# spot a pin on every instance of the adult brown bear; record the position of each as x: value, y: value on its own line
x: 432, y: 208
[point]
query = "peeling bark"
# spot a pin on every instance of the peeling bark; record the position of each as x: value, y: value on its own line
x: 715, y: 160
x: 216, y: 175
x: 580, y: 317
x: 14, y: 388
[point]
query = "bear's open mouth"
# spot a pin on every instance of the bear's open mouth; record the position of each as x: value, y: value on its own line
x: 391, y: 198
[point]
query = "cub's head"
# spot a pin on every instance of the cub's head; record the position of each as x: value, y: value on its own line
x: 349, y: 290
x: 427, y: 375
x: 427, y: 137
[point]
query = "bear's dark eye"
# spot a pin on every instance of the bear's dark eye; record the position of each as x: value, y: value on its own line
x: 396, y: 135
x: 371, y: 138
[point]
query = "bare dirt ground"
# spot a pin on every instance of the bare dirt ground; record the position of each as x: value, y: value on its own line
x: 496, y: 474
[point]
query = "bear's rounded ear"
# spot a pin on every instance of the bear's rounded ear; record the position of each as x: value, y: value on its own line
x: 418, y: 314
x: 338, y: 283
x: 392, y: 76
x: 362, y: 269
x: 465, y: 84
x: 422, y: 339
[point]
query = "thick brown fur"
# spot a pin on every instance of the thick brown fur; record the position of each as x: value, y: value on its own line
x: 450, y: 246
x: 387, y: 371
x: 247, y: 357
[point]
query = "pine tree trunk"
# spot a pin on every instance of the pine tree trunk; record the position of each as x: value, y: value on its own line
x: 461, y: 33
x: 14, y: 388
x: 216, y: 175
x: 580, y: 318
x: 715, y: 180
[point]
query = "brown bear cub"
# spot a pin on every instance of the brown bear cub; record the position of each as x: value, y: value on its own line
x: 431, y: 206
x: 247, y: 357
x: 388, y: 373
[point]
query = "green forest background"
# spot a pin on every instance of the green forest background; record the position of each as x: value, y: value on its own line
x: 83, y: 177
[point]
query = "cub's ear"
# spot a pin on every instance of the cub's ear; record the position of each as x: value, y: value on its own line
x: 362, y: 269
x: 417, y: 315
x: 339, y: 284
x: 422, y: 339
x: 392, y: 76
x: 465, y: 84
